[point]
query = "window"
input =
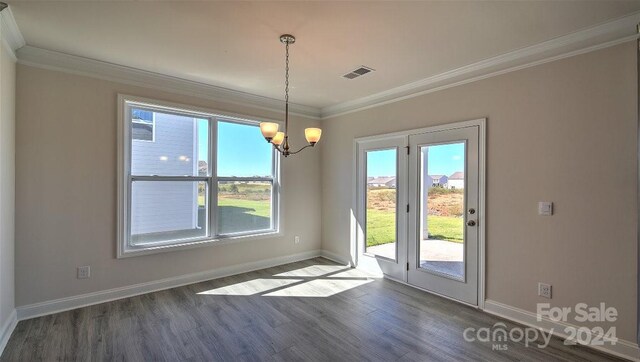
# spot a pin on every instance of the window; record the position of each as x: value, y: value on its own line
x: 199, y: 177
x: 142, y: 125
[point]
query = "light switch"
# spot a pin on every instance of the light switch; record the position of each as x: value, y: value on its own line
x: 545, y: 208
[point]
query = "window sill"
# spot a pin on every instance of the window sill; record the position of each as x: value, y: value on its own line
x: 222, y: 240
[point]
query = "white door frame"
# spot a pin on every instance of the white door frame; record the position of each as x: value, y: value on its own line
x: 357, y: 229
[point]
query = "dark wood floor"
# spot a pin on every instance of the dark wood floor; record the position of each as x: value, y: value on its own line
x: 311, y: 310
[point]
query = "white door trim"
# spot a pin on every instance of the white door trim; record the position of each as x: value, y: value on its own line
x: 357, y: 230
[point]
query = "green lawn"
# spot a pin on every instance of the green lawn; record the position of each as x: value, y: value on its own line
x: 381, y: 227
x: 446, y: 228
x: 255, y: 207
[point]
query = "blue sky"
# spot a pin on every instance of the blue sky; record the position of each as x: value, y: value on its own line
x: 242, y: 151
x: 443, y: 160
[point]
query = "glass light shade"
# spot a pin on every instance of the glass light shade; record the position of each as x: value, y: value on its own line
x: 268, y: 129
x: 312, y: 134
x: 278, y: 138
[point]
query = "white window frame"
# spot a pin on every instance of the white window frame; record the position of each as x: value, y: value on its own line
x: 125, y: 179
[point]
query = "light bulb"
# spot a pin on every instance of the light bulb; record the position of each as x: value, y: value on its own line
x: 278, y: 138
x: 312, y: 135
x: 268, y: 129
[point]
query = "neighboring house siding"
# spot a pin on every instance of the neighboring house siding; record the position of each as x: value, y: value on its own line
x: 384, y: 181
x: 163, y: 205
x: 456, y: 181
x: 455, y: 184
x: 174, y: 137
x: 437, y: 180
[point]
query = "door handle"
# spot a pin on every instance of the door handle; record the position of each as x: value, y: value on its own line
x: 471, y: 223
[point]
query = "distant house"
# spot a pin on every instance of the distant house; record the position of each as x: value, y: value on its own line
x: 203, y: 168
x: 456, y: 180
x: 383, y: 181
x: 164, y: 144
x: 437, y: 180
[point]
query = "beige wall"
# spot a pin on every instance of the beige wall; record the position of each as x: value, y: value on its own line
x: 563, y: 131
x: 66, y: 192
x: 548, y: 126
x: 7, y: 182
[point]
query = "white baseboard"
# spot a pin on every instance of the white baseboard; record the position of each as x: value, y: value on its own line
x: 83, y: 300
x: 6, y: 329
x: 335, y: 257
x: 622, y: 348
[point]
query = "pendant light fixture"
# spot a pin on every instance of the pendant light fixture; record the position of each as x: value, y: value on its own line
x: 280, y: 140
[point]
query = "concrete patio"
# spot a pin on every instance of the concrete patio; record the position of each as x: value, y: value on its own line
x: 441, y: 256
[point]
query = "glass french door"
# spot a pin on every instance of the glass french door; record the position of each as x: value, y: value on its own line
x: 442, y: 224
x: 382, y: 180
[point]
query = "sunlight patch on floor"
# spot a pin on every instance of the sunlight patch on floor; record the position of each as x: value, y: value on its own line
x: 251, y: 287
x: 313, y: 271
x: 351, y: 273
x: 319, y: 288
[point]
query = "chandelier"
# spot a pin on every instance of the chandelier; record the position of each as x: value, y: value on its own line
x: 280, y: 140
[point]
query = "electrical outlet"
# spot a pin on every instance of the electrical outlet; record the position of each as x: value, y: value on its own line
x: 296, y: 240
x: 545, y: 208
x: 84, y: 272
x: 544, y: 290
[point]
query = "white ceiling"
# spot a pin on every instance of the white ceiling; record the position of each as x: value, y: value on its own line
x: 235, y: 44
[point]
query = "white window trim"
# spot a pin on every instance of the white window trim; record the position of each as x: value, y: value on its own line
x: 124, y: 179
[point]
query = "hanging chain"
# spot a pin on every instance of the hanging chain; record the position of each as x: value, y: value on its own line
x: 286, y: 76
x: 283, y: 149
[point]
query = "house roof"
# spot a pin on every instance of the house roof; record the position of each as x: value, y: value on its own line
x: 381, y: 180
x: 457, y: 176
x: 437, y: 177
x: 142, y: 131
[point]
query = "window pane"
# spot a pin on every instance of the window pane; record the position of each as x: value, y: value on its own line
x: 244, y: 206
x: 168, y: 210
x: 381, y: 203
x: 180, y: 145
x: 441, y: 172
x: 142, y: 131
x: 242, y: 151
x: 141, y: 115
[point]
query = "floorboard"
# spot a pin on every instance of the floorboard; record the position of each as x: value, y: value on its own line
x: 310, y: 310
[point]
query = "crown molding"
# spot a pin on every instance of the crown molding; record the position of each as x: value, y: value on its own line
x: 12, y: 38
x: 597, y: 37
x: 590, y: 39
x: 49, y: 59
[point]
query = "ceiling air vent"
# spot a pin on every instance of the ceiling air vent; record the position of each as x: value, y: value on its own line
x: 358, y: 72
